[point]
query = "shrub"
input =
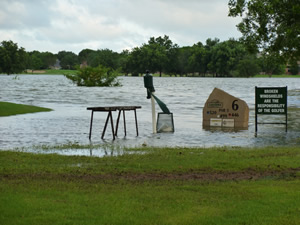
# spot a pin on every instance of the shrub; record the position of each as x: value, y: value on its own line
x: 100, y: 76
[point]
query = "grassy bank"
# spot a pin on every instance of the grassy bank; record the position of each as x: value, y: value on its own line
x: 9, y: 109
x: 277, y: 76
x: 50, y: 72
x: 154, y: 186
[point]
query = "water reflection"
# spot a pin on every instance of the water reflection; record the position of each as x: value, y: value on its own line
x: 185, y: 97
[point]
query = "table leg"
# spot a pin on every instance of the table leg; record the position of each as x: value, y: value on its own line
x: 124, y: 122
x: 104, y: 129
x: 136, y: 123
x: 112, y: 125
x: 91, y: 125
x: 117, y: 125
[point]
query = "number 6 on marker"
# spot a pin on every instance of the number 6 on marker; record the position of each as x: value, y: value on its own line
x: 235, y: 106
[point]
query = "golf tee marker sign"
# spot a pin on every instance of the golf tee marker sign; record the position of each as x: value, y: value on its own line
x: 224, y: 110
x: 271, y: 101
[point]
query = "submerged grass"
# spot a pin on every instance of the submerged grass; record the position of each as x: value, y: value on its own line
x: 9, y: 109
x: 162, y: 186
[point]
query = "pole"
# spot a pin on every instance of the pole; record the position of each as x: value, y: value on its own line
x: 153, y: 115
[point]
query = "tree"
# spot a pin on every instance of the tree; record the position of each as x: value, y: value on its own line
x: 41, y: 60
x: 273, y: 26
x: 294, y: 68
x: 209, y: 46
x: 247, y: 67
x: 271, y: 64
x: 68, y: 60
x: 12, y: 58
x: 49, y: 59
x: 225, y: 57
x: 163, y: 53
x: 197, y: 59
x: 35, y: 62
x: 123, y: 61
x: 184, y: 54
x: 84, y: 54
x: 136, y: 62
x: 104, y: 57
x: 99, y: 76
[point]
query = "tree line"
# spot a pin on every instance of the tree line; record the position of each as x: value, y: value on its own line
x: 270, y: 41
x: 159, y: 55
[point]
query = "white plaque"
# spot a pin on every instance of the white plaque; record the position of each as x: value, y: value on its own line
x: 228, y: 123
x: 214, y: 122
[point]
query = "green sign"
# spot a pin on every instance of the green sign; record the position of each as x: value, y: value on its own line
x: 271, y: 100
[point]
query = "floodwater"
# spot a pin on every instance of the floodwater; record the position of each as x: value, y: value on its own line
x: 185, y: 97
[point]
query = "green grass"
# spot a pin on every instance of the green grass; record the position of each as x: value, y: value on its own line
x: 159, y: 186
x: 278, y: 76
x: 9, y: 109
x: 59, y: 72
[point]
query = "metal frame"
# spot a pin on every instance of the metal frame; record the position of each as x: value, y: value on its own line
x: 161, y: 113
x: 109, y: 109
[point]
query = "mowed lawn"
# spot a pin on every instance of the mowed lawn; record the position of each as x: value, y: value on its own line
x: 9, y: 109
x: 153, y: 186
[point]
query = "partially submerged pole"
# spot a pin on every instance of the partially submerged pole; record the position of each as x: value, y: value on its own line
x: 153, y: 115
x: 148, y: 83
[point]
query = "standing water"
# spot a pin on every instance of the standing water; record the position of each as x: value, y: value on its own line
x: 185, y: 97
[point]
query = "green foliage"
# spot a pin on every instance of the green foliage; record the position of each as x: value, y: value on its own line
x: 9, y: 109
x: 294, y: 68
x: 271, y: 64
x: 159, y: 55
x: 99, y: 76
x: 225, y: 56
x: 270, y: 25
x: 247, y: 67
x: 41, y: 60
x: 12, y: 58
x: 68, y: 60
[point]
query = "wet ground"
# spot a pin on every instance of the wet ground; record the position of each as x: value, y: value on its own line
x: 69, y: 121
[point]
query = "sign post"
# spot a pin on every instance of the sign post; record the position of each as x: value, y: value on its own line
x: 271, y: 101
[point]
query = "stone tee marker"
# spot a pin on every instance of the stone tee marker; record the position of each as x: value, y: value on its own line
x: 224, y: 110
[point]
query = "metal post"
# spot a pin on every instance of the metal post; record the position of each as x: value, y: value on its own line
x: 255, y: 111
x: 286, y: 111
x: 91, y: 124
x: 153, y: 115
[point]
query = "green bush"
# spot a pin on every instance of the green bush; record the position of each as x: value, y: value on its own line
x: 100, y: 76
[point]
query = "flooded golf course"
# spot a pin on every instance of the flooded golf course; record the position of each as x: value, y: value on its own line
x: 69, y: 122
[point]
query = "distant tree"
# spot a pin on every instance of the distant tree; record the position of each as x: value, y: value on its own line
x: 12, y: 58
x: 209, y: 45
x: 225, y: 56
x: 49, y: 59
x: 160, y: 52
x: 84, y: 54
x: 294, y: 68
x: 105, y: 57
x: 273, y: 26
x: 247, y: 67
x: 184, y: 53
x: 123, y: 61
x: 68, y: 60
x: 196, y: 61
x: 36, y: 62
x: 137, y: 62
x: 271, y: 64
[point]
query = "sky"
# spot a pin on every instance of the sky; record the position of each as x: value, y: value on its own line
x: 74, y: 25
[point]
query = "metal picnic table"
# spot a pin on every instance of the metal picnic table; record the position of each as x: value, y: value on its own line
x: 109, y: 109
